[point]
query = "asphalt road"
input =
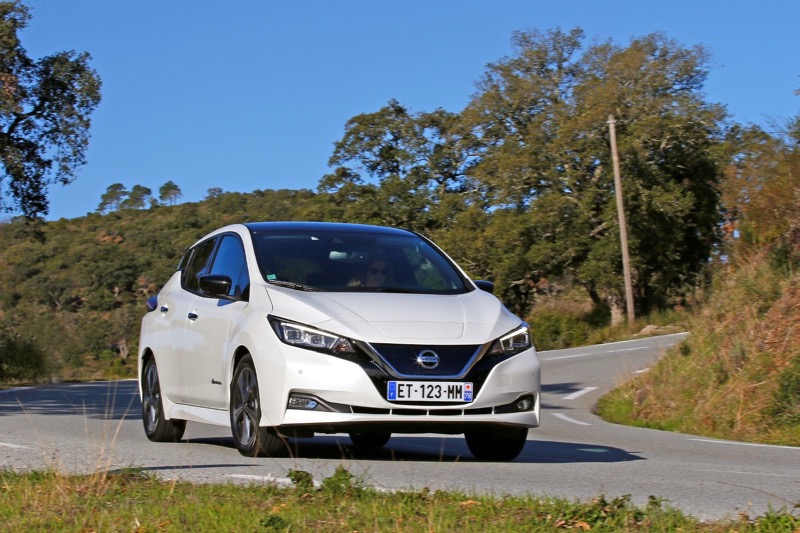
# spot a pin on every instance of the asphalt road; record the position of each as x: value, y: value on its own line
x: 80, y: 428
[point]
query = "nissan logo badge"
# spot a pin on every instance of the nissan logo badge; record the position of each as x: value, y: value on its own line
x: 428, y: 359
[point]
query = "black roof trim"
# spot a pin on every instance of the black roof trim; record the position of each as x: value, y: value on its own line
x: 267, y: 227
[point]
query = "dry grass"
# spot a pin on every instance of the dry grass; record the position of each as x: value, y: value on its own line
x: 132, y: 501
x: 733, y: 377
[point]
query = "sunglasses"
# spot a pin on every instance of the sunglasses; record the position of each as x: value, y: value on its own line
x: 375, y: 271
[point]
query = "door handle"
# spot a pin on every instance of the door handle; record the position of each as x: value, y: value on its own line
x: 192, y: 316
x: 164, y: 309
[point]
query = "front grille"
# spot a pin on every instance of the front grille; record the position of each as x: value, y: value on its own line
x: 402, y: 359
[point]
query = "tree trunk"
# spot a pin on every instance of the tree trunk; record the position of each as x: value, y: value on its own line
x: 617, y: 306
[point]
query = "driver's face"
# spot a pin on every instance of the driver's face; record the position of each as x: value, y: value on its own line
x: 376, y: 273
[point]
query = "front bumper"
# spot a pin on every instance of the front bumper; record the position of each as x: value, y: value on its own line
x: 350, y: 396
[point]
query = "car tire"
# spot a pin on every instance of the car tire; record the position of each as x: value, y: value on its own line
x: 251, y: 440
x: 370, y: 439
x: 156, y: 427
x: 502, y: 444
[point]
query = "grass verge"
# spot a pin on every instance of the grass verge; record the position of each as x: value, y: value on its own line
x: 131, y: 500
x: 737, y: 376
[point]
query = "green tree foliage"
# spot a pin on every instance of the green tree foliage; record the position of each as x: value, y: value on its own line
x: 45, y: 108
x: 169, y: 193
x: 517, y: 188
x: 214, y: 192
x: 76, y: 296
x: 139, y: 198
x: 541, y: 116
x: 20, y: 359
x: 761, y: 194
x: 519, y: 185
x: 118, y: 197
x: 402, y: 169
x: 742, y: 361
x: 112, y: 199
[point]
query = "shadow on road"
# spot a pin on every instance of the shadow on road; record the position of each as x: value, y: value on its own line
x: 117, y: 400
x: 561, y: 389
x: 436, y: 449
x: 111, y: 400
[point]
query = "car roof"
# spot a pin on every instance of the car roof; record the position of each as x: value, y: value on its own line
x: 278, y: 227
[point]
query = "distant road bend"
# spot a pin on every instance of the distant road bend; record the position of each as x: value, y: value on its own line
x: 81, y: 428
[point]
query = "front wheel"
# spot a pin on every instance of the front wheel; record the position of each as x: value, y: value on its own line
x: 251, y: 440
x: 501, y: 444
x: 156, y: 427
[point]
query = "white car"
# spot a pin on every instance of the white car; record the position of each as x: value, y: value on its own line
x: 287, y: 329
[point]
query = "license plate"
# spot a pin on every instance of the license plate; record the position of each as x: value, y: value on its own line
x: 429, y: 391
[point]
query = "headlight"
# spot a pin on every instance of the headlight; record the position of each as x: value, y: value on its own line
x: 302, y: 336
x: 512, y: 343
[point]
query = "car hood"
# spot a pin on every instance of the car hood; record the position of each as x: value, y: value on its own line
x: 472, y: 318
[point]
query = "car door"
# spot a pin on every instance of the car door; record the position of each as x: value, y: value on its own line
x: 206, y: 342
x: 175, y: 301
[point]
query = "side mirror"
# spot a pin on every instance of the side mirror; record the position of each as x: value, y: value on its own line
x: 216, y: 285
x: 484, y: 285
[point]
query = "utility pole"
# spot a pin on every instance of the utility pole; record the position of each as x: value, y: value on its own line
x: 623, y: 229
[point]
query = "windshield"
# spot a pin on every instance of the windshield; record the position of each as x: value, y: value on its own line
x: 355, y: 262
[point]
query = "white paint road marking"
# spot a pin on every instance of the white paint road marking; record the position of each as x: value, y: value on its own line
x: 564, y: 357
x: 570, y: 420
x: 13, y: 446
x: 17, y: 389
x: 595, y: 353
x: 747, y: 444
x: 665, y: 346
x: 744, y: 473
x: 578, y: 394
x: 269, y: 478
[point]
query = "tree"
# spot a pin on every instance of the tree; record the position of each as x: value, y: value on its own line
x: 541, y: 116
x: 397, y: 168
x: 761, y: 192
x: 139, y: 197
x: 45, y: 108
x: 169, y: 193
x: 113, y: 198
x: 214, y: 192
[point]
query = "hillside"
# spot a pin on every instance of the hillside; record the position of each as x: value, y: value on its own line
x: 72, y: 292
x: 738, y: 374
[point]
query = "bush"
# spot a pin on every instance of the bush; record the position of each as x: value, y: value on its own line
x: 553, y: 330
x: 787, y: 397
x: 20, y: 359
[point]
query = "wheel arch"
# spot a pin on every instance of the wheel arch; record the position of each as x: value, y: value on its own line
x: 238, y: 355
x: 146, y: 355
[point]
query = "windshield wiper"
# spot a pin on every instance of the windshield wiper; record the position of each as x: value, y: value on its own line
x: 293, y: 285
x: 398, y: 290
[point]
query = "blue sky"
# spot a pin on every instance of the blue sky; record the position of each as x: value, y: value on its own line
x: 248, y: 94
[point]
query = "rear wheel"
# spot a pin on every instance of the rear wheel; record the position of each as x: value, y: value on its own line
x: 251, y: 440
x: 501, y: 444
x: 370, y: 439
x: 156, y: 427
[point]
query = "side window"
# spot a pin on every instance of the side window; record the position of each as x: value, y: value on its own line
x: 197, y: 264
x: 230, y: 261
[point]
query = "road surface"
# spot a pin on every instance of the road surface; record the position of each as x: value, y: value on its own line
x: 81, y: 428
